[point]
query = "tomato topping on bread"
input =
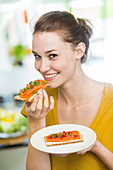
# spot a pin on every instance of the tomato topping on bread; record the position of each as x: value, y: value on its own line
x: 62, y: 138
x: 33, y: 88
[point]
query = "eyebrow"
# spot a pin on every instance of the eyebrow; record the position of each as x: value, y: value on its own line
x: 49, y: 51
x: 34, y: 52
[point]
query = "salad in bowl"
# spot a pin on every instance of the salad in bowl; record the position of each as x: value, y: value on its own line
x: 12, y: 124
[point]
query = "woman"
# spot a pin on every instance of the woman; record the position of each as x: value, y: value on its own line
x: 60, y: 45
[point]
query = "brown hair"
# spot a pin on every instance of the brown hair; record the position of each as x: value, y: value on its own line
x: 73, y: 30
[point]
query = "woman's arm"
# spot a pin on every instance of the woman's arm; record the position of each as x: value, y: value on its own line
x: 104, y: 154
x: 37, y: 160
x: 100, y: 150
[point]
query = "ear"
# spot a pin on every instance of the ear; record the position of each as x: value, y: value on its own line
x: 80, y: 50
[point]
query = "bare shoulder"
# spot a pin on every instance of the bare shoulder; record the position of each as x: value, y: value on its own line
x: 100, y: 86
x: 106, y: 88
x: 96, y: 88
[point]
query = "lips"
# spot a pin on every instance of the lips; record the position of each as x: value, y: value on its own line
x: 49, y: 77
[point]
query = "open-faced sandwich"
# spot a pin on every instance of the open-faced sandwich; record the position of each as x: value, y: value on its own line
x: 33, y: 88
x: 62, y: 138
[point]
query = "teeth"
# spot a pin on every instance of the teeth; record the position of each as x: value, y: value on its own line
x: 48, y: 76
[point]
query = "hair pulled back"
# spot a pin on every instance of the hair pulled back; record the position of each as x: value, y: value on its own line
x: 73, y: 30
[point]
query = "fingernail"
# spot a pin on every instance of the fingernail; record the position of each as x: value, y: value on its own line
x: 51, y: 98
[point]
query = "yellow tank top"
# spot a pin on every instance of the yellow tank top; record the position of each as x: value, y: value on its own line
x: 102, y: 125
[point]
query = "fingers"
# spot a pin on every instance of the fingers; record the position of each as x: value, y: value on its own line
x: 81, y: 152
x: 40, y: 105
x: 45, y: 106
x: 46, y: 102
x: 31, y: 106
x: 84, y: 150
x: 51, y: 103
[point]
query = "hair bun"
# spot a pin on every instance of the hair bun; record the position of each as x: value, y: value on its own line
x: 84, y: 23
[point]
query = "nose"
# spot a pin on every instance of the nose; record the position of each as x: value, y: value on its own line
x: 44, y: 65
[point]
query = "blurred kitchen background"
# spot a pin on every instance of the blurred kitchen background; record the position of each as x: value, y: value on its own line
x: 17, y: 61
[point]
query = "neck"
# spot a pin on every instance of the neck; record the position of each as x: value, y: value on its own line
x: 75, y: 90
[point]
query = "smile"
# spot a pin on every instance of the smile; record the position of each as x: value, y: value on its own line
x: 50, y: 75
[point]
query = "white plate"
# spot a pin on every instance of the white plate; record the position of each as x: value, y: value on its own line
x: 37, y: 139
x: 12, y: 135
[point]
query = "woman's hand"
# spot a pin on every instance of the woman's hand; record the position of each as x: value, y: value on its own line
x: 80, y: 152
x: 39, y: 107
x: 86, y: 150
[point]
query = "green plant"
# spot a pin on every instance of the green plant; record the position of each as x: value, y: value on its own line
x: 18, y: 52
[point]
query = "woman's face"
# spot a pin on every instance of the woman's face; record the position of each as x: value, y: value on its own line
x: 54, y: 58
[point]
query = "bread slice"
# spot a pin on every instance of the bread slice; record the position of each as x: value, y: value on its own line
x: 63, y: 138
x: 31, y: 90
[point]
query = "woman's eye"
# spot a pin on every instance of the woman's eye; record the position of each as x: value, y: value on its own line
x: 52, y: 55
x: 37, y: 56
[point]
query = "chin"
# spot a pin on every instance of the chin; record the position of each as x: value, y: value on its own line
x: 53, y: 85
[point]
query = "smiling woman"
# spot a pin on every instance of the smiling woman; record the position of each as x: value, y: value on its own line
x: 60, y: 45
x: 48, y: 66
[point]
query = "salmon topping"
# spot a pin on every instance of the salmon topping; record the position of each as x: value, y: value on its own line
x: 32, y: 88
x: 63, y: 136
